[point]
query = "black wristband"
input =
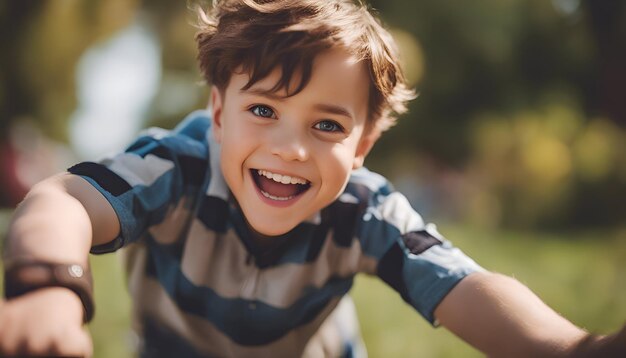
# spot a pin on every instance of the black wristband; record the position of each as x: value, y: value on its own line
x: 23, y: 276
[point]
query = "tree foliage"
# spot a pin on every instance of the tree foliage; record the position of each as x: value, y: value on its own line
x: 520, y: 119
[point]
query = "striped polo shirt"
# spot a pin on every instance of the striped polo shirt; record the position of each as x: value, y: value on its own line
x: 201, y: 287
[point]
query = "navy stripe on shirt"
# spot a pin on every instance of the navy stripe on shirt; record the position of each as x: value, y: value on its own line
x: 102, y: 175
x: 247, y: 322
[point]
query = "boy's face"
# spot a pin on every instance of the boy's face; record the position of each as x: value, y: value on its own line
x: 285, y: 158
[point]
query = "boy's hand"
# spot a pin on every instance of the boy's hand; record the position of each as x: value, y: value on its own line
x: 607, y: 346
x: 45, y: 322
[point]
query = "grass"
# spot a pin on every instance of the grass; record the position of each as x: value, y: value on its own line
x: 581, y: 277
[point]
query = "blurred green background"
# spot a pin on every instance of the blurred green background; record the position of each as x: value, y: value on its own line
x: 516, y: 143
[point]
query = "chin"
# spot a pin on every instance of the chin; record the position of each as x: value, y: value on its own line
x: 271, y: 230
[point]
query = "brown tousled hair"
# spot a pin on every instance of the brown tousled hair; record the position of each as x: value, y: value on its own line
x: 260, y: 35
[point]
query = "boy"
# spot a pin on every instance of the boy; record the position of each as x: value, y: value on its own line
x: 245, y: 226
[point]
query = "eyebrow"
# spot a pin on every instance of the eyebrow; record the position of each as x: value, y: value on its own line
x: 263, y: 93
x: 323, y: 107
x: 333, y: 109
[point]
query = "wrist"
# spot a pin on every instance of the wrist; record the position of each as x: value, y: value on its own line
x: 25, y: 276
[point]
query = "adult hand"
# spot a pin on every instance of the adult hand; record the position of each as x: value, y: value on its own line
x: 45, y: 322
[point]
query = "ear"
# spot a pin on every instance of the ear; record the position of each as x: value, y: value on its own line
x: 216, y: 113
x: 367, y: 141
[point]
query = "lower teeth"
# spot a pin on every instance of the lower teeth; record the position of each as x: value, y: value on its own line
x: 279, y: 198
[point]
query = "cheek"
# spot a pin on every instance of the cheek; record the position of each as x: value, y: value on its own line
x: 231, y: 161
x: 241, y: 132
x: 338, y: 161
x: 226, y: 166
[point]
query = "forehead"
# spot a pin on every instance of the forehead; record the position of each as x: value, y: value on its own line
x: 337, y: 77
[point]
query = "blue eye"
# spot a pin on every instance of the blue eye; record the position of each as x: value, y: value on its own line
x: 263, y: 111
x: 328, y: 126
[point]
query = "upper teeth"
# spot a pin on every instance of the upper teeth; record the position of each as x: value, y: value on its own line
x: 285, y: 179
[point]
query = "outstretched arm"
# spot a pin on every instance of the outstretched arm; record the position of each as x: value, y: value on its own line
x: 57, y: 222
x: 502, y: 318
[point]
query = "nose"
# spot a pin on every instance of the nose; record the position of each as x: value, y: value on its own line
x: 290, y: 146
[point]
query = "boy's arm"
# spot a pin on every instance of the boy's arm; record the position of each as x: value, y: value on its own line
x: 58, y: 222
x: 503, y: 318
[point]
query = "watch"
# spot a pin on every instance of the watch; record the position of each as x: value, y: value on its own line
x: 24, y: 276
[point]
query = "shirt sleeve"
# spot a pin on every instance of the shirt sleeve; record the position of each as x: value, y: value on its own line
x: 152, y: 174
x: 412, y: 257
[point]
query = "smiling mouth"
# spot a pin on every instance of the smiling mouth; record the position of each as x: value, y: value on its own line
x: 279, y: 187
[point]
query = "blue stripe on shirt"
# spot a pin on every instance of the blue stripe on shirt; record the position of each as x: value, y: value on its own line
x: 247, y: 322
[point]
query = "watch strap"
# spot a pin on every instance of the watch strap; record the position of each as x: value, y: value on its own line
x: 25, y: 276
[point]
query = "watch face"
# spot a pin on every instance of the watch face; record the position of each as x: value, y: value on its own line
x: 75, y: 271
